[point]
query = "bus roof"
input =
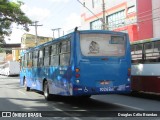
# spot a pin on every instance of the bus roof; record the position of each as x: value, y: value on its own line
x: 68, y: 35
x: 45, y: 44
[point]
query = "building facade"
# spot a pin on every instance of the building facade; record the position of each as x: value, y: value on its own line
x: 2, y: 57
x: 139, y: 18
x: 16, y: 55
x: 28, y: 40
x: 156, y: 18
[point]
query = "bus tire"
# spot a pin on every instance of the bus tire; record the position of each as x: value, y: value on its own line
x: 47, y: 96
x: 25, y: 85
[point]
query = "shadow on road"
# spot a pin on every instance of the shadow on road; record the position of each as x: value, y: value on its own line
x: 145, y: 95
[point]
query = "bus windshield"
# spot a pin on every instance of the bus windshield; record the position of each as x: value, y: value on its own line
x: 102, y: 45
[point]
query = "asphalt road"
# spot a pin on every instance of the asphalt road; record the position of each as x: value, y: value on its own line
x: 15, y: 98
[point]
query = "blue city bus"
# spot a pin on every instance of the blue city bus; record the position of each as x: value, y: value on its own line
x: 82, y: 63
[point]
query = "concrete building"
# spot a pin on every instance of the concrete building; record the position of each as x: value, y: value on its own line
x: 10, y: 52
x: 156, y: 18
x: 16, y: 55
x: 28, y: 40
x: 139, y: 18
x: 2, y: 57
x: 9, y: 57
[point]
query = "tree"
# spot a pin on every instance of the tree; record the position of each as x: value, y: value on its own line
x: 10, y: 12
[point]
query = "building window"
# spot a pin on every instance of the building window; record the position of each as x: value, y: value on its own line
x: 131, y: 9
x: 116, y: 19
x: 96, y: 25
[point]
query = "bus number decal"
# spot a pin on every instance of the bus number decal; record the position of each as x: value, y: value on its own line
x: 106, y: 89
x: 103, y: 89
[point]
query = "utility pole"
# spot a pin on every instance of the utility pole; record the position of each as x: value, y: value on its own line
x: 103, y: 9
x: 58, y: 29
x: 104, y: 20
x: 53, y: 32
x: 36, y: 25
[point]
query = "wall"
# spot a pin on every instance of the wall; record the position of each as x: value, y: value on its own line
x: 2, y: 57
x: 156, y: 18
x: 28, y: 40
x: 16, y: 55
x: 144, y: 17
x: 129, y: 25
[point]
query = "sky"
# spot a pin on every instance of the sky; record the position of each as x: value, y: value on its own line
x: 51, y: 14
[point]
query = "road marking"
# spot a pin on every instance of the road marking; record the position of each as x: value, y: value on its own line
x: 60, y: 102
x: 21, y: 92
x: 57, y: 109
x: 128, y: 106
x: 7, y: 86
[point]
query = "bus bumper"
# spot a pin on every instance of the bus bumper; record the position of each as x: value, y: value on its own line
x: 79, y: 90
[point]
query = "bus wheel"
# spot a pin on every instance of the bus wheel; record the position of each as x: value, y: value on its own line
x: 25, y: 85
x: 46, y: 91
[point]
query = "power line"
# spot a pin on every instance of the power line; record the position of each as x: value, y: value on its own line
x: 142, y: 17
x: 90, y: 11
x: 140, y: 21
x: 103, y: 7
x: 148, y: 11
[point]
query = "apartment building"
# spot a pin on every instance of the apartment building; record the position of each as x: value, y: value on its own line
x: 139, y: 18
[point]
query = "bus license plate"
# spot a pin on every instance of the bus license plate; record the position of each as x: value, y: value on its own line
x: 104, y: 89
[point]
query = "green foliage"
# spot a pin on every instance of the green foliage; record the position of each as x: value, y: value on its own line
x: 10, y: 12
x: 1, y: 50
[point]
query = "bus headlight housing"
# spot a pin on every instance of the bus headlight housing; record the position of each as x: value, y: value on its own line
x: 77, y: 81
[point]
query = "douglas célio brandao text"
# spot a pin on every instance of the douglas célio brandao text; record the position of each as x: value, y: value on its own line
x: 136, y: 114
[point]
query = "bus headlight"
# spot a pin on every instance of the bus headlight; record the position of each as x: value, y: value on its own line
x: 77, y: 81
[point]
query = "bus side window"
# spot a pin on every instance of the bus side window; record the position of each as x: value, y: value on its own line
x: 40, y: 58
x: 50, y: 53
x: 157, y: 51
x: 55, y: 55
x: 134, y: 59
x: 43, y: 56
x: 21, y: 62
x: 139, y: 53
x: 35, y: 58
x: 25, y: 61
x: 46, y: 56
x: 65, y: 53
x: 148, y: 51
x: 29, y: 63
